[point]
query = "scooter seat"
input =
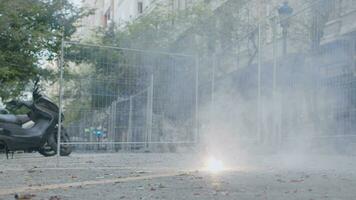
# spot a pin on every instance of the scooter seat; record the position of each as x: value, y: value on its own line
x: 14, y: 119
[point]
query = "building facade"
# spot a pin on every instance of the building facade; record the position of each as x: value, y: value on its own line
x: 121, y: 12
x: 342, y: 20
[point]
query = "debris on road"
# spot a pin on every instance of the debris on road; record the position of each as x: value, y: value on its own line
x: 225, y: 193
x: 296, y: 180
x: 24, y: 196
x: 54, y: 198
x: 281, y: 181
x: 184, y: 174
x: 140, y: 172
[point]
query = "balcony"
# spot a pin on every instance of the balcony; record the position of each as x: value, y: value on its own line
x: 341, y: 22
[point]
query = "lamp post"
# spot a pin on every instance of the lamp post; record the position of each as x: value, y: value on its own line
x: 285, y: 11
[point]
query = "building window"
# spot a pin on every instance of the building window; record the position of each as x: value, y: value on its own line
x: 107, y: 17
x: 140, y: 7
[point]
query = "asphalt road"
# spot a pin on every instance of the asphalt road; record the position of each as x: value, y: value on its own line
x: 177, y: 176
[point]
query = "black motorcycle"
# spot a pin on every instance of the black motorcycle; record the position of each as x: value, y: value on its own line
x: 35, y: 131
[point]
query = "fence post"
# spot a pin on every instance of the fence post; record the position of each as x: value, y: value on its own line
x: 259, y: 86
x: 129, y: 131
x: 149, y: 114
x: 61, y: 65
x: 274, y: 93
x: 196, y: 137
x: 213, y: 82
x: 113, y: 124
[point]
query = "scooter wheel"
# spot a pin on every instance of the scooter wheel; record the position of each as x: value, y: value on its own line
x: 65, y: 149
x: 47, y: 151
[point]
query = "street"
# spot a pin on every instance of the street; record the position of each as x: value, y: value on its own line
x: 176, y: 176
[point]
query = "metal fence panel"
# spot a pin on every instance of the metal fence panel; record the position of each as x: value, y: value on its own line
x: 125, y: 99
x: 290, y: 78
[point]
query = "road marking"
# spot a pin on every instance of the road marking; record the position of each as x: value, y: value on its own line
x: 147, y: 169
x: 28, y: 189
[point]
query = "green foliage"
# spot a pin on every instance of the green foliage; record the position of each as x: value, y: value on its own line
x: 94, y: 64
x: 155, y: 31
x: 75, y: 109
x: 31, y: 33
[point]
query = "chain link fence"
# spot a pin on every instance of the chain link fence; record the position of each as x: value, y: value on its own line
x: 288, y: 82
x: 117, y: 99
x: 291, y: 78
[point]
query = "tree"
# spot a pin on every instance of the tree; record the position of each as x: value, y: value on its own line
x: 31, y: 34
x: 154, y: 31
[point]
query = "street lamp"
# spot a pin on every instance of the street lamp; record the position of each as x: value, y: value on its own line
x: 285, y: 11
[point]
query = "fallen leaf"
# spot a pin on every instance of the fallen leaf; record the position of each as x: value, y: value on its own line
x: 296, y: 181
x: 54, y: 198
x: 346, y: 179
x: 24, y: 196
x: 225, y: 193
x: 281, y: 181
x: 183, y: 174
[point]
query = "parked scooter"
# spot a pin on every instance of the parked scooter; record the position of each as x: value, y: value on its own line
x: 36, y: 131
